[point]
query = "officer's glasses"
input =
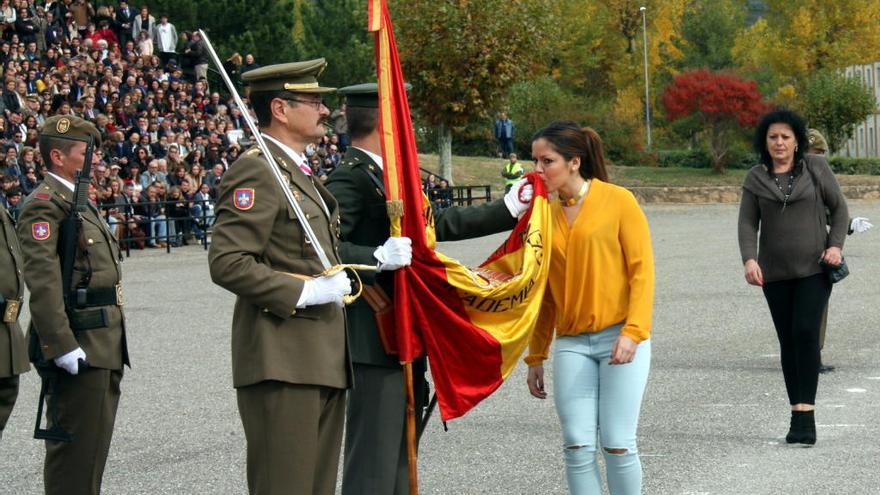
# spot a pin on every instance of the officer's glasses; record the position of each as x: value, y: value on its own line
x: 316, y: 104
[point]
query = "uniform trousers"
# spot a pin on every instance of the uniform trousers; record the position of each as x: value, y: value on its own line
x: 85, y: 407
x: 8, y: 394
x: 294, y: 435
x: 375, y: 435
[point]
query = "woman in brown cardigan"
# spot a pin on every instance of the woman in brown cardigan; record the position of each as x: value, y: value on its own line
x: 784, y: 244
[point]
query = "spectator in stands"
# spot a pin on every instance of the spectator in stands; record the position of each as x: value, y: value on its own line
x: 28, y: 182
x: 82, y: 11
x: 195, y: 177
x: 430, y: 183
x: 198, y: 51
x: 204, y: 206
x: 166, y: 37
x: 24, y: 26
x: 143, y: 22
x: 152, y: 174
x: 178, y: 210
x: 249, y: 64
x: 212, y: 179
x: 125, y: 16
x: 154, y: 213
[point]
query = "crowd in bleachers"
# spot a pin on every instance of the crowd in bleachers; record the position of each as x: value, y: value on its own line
x: 168, y: 135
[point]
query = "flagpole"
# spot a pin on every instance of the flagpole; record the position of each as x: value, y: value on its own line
x: 411, y: 452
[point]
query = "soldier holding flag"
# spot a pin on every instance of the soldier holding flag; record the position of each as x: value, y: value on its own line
x: 375, y: 444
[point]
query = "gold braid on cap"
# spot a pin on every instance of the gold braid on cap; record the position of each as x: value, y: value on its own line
x: 300, y: 86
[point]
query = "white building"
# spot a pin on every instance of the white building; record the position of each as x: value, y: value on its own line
x: 865, y: 141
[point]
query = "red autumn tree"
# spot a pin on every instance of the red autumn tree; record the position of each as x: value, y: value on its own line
x: 722, y: 102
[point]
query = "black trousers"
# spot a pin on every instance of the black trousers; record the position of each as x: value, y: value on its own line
x: 797, y: 306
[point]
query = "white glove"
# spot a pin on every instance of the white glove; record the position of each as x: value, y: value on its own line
x: 860, y: 224
x: 519, y: 197
x: 326, y: 289
x: 70, y: 361
x: 396, y: 253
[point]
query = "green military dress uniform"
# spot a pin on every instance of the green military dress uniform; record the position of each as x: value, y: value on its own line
x: 290, y: 366
x: 84, y: 405
x: 13, y: 352
x: 375, y: 443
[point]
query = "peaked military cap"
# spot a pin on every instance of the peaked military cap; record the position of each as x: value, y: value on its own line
x: 817, y: 140
x: 364, y: 95
x: 70, y: 127
x: 298, y: 77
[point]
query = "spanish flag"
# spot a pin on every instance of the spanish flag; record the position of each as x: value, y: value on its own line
x: 472, y: 323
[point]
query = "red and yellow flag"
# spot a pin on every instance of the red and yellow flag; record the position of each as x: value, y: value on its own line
x: 473, y: 324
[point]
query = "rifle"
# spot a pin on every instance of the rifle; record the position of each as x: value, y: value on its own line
x: 68, y: 239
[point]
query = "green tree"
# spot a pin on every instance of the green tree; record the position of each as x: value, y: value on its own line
x: 708, y: 32
x: 261, y: 27
x: 461, y: 56
x: 337, y: 31
x: 796, y: 39
x: 534, y: 103
x: 836, y: 104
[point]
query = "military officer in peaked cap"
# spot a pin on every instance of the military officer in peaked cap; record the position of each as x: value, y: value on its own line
x: 13, y: 353
x: 375, y: 443
x: 85, y: 343
x: 290, y: 363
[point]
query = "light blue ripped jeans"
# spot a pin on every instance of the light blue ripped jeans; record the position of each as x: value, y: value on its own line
x: 599, y: 402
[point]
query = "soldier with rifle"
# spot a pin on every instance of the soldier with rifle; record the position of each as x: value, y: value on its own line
x: 77, y: 329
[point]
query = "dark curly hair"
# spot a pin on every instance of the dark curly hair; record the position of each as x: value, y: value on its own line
x: 781, y: 116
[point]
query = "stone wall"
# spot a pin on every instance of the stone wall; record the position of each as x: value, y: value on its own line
x: 726, y: 194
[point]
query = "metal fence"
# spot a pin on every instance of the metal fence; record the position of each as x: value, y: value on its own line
x: 161, y: 230
x: 175, y: 231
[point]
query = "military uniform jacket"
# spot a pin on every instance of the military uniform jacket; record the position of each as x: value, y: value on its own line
x: 365, y: 226
x: 257, y: 244
x: 96, y: 266
x: 13, y: 352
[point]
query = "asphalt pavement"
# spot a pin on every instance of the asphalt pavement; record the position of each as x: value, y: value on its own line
x: 713, y: 419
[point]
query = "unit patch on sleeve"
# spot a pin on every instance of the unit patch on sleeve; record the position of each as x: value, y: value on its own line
x: 244, y: 198
x: 40, y: 230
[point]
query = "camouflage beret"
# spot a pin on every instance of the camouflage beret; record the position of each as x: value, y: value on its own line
x: 298, y: 77
x: 70, y: 127
x: 817, y: 140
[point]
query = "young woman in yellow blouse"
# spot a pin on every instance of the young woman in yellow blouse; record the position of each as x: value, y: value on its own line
x: 600, y: 302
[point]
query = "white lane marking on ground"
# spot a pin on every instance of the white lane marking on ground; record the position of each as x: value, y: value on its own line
x: 856, y: 390
x: 730, y: 405
x: 874, y: 378
x: 769, y: 355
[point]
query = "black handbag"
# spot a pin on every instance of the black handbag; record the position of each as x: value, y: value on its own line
x: 836, y: 273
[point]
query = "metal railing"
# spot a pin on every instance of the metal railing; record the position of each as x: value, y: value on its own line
x: 126, y: 214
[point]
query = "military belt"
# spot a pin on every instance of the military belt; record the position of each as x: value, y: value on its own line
x: 87, y: 319
x: 11, y: 308
x: 94, y: 297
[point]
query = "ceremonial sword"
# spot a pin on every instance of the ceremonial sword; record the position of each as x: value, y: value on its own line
x: 274, y: 169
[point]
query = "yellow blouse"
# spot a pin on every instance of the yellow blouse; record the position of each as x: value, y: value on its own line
x: 610, y: 276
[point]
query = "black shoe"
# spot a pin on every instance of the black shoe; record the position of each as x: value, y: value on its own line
x: 826, y: 368
x: 803, y: 428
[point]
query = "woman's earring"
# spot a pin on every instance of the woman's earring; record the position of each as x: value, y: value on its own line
x: 795, y: 147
